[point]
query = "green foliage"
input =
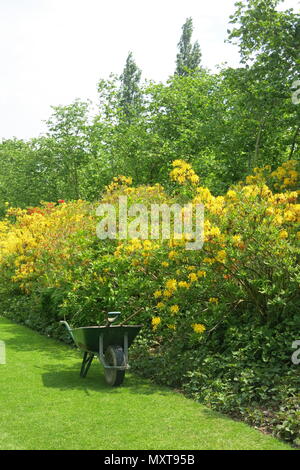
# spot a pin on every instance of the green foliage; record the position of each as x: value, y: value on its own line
x: 243, y: 369
x: 130, y: 94
x: 189, y: 56
x: 224, y: 124
x: 219, y: 322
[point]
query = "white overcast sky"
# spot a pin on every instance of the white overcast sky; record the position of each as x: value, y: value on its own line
x: 54, y: 51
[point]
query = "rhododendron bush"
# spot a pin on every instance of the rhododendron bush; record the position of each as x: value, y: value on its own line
x: 218, y: 321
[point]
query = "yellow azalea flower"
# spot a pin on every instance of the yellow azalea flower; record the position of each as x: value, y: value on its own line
x: 183, y: 284
x: 174, y: 309
x: 178, y: 162
x: 195, y: 179
x: 270, y: 211
x: 172, y: 254
x: 289, y: 216
x: 283, y: 234
x: 147, y: 245
x: 181, y: 179
x: 293, y: 174
x: 221, y: 256
x: 198, y: 328
x: 231, y: 194
x: 129, y: 190
x: 157, y: 293
x: 292, y: 196
x: 172, y: 327
x: 213, y: 300
x: 201, y: 273
x: 250, y: 179
x: 236, y: 239
x: 160, y: 305
x: 167, y: 293
x: 183, y: 172
x: 165, y: 264
x: 155, y: 322
x: 193, y: 277
x: 214, y: 232
x: 171, y: 284
x: 278, y: 220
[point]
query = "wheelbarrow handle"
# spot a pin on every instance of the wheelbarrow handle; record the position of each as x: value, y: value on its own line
x: 64, y: 322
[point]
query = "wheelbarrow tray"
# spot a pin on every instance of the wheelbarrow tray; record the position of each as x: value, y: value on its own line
x: 87, y: 338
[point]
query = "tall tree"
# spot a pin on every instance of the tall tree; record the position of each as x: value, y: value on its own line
x: 68, y: 134
x: 269, y: 42
x: 189, y: 55
x: 130, y: 94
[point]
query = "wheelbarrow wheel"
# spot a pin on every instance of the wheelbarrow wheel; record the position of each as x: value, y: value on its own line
x: 114, y: 356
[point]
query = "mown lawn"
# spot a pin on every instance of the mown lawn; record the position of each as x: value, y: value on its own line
x: 44, y: 404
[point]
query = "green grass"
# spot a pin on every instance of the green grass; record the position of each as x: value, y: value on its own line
x: 44, y: 404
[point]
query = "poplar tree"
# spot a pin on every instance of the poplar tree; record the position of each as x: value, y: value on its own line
x: 189, y: 55
x: 130, y: 94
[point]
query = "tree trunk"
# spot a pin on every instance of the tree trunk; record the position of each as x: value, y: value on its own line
x: 253, y: 158
x: 294, y: 142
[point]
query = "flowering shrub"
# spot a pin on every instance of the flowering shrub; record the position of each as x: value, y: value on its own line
x: 222, y: 318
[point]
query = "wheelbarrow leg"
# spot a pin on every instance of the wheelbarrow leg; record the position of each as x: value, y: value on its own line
x: 86, y: 363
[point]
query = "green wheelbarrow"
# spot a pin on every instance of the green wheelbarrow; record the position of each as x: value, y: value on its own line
x: 110, y: 343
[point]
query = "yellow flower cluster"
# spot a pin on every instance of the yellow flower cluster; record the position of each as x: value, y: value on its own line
x: 193, y: 277
x: 38, y: 246
x: 183, y: 172
x: 174, y: 309
x: 157, y: 293
x: 282, y: 209
x: 171, y: 284
x: 213, y: 204
x: 212, y: 233
x: 231, y: 194
x: 286, y: 176
x: 198, y: 328
x: 283, y: 234
x: 160, y: 305
x: 136, y: 245
x: 45, y: 230
x: 260, y: 175
x: 155, y: 322
x: 156, y: 189
x: 117, y: 182
x: 184, y: 284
